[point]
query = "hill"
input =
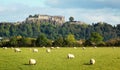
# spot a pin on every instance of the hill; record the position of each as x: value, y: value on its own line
x: 52, y: 31
x: 56, y: 26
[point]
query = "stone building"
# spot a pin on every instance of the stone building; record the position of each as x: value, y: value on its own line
x: 46, y: 18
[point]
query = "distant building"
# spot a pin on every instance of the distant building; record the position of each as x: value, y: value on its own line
x: 45, y: 18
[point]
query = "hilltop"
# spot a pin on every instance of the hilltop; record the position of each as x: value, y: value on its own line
x: 56, y: 26
x: 38, y: 18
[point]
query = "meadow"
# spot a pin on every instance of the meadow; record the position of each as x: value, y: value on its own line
x: 106, y: 59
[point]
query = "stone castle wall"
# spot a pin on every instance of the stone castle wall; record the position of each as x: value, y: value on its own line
x: 46, y: 18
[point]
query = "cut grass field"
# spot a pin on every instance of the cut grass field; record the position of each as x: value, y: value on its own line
x: 106, y: 59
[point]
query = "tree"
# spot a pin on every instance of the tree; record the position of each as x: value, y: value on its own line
x: 42, y: 40
x: 96, y: 38
x: 35, y: 15
x: 25, y: 42
x: 70, y: 40
x: 71, y: 19
x: 13, y: 41
x: 30, y: 15
x: 87, y: 43
x: 51, y: 31
x: 59, y: 42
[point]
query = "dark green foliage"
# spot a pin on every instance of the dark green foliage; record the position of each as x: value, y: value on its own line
x: 71, y: 19
x: 25, y: 42
x: 70, y: 40
x: 13, y: 41
x: 51, y: 31
x: 118, y: 30
x: 88, y: 43
x: 59, y: 42
x: 20, y: 41
x: 96, y: 38
x: 30, y: 15
x: 56, y: 33
x: 42, y: 41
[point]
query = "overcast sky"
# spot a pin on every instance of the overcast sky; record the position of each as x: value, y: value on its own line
x: 89, y: 11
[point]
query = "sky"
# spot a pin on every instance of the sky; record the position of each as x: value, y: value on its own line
x: 89, y: 11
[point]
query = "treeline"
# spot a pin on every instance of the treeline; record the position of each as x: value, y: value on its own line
x: 53, y: 32
x: 42, y: 41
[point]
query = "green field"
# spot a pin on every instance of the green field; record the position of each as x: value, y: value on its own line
x: 106, y: 59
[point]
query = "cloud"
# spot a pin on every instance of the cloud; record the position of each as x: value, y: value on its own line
x: 31, y: 3
x: 84, y: 3
x: 19, y: 12
x: 2, y: 9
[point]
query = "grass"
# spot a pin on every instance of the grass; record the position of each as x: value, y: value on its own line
x: 106, y: 59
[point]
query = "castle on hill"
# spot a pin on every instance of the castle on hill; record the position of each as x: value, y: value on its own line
x: 45, y: 18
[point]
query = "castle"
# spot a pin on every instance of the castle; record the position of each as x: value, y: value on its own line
x: 45, y: 18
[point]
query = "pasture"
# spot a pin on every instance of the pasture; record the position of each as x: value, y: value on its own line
x: 106, y: 59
